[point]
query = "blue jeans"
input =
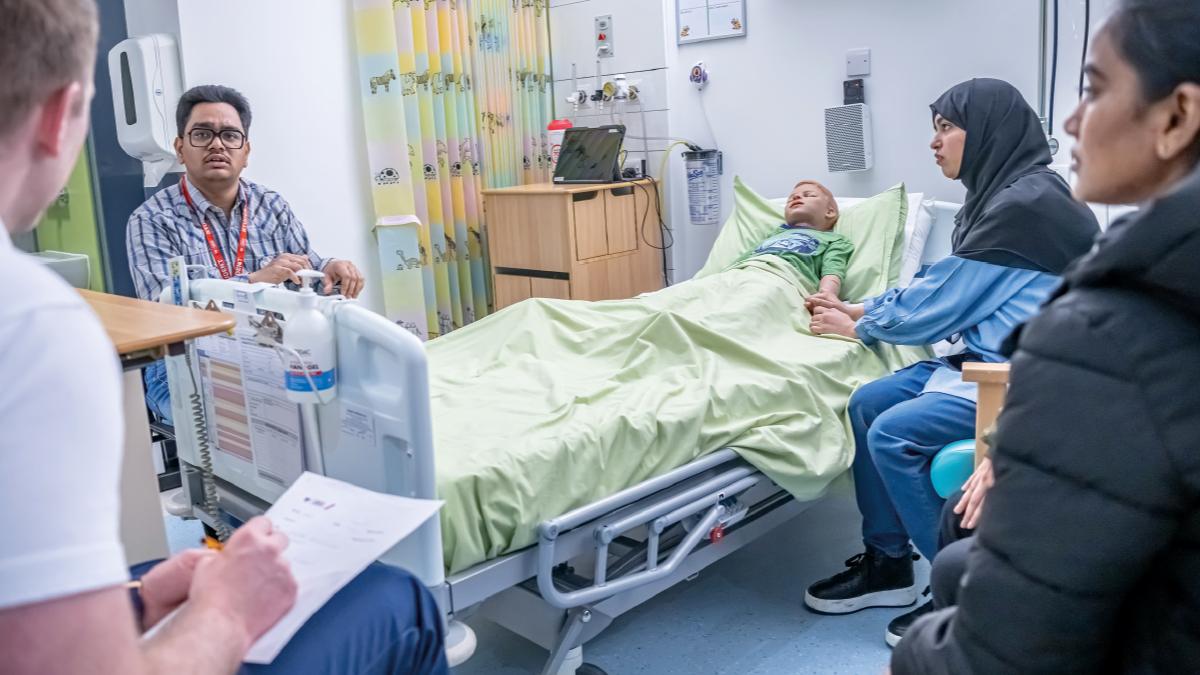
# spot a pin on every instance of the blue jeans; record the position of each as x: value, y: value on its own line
x: 897, y: 432
x: 158, y: 393
x: 384, y: 621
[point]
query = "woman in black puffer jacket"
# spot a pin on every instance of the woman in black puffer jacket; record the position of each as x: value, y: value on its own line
x: 1087, y: 556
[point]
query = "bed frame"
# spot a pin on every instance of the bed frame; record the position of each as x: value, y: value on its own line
x: 588, y: 566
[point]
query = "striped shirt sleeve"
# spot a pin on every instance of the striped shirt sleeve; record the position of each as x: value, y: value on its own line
x: 297, y: 238
x: 150, y: 246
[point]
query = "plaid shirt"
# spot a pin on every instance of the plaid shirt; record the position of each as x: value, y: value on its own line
x: 165, y: 227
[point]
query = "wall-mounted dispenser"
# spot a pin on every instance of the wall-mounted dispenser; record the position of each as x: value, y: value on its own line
x: 146, y: 84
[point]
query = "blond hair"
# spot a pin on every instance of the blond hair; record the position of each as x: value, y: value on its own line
x: 825, y: 191
x: 44, y: 45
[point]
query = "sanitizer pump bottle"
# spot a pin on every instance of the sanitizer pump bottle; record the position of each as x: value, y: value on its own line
x: 308, y: 334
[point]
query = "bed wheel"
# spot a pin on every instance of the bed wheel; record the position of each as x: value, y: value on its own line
x: 590, y: 669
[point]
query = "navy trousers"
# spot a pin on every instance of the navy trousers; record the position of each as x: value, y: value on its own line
x: 897, y: 432
x: 384, y: 621
x: 950, y: 565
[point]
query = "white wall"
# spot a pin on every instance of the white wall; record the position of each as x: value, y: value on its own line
x: 296, y: 62
x: 1069, y: 51
x: 1070, y: 46
x: 143, y: 17
x: 769, y: 89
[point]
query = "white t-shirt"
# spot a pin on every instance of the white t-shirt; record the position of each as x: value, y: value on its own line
x: 60, y: 438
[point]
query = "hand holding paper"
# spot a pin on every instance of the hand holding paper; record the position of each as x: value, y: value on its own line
x: 336, y: 530
x: 250, y: 579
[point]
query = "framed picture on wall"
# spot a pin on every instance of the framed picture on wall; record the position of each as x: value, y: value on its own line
x: 699, y: 20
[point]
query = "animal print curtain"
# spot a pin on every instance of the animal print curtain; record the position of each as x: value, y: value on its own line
x: 456, y: 99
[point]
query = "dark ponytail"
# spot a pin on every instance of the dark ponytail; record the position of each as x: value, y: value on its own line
x: 1159, y: 38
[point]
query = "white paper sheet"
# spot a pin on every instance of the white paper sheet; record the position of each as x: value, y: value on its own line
x: 274, y: 420
x: 250, y: 414
x: 221, y: 371
x: 693, y: 22
x: 726, y: 19
x: 335, y: 530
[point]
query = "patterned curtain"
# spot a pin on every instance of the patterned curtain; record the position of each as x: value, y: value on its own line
x: 456, y: 98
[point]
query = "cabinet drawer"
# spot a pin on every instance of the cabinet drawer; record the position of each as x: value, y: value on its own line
x: 511, y: 289
x: 622, y: 219
x: 529, y: 231
x: 591, y: 236
x: 550, y: 288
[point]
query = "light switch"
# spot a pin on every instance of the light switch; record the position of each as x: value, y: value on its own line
x: 858, y: 62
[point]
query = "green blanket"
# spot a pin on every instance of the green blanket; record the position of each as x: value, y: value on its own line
x: 549, y: 405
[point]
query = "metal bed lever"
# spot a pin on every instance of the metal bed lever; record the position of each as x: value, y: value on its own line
x: 707, y: 497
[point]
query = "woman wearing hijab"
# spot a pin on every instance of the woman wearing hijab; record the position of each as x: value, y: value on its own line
x: 1087, y: 559
x: 1016, y: 233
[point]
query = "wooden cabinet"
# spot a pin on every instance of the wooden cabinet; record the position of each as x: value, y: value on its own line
x: 583, y: 242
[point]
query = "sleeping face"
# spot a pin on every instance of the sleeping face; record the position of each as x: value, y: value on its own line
x: 811, y: 205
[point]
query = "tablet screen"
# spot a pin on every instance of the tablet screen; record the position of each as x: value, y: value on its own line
x: 589, y: 155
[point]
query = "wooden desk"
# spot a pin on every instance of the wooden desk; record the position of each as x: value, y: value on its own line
x: 143, y: 332
x: 148, y: 330
x: 992, y: 379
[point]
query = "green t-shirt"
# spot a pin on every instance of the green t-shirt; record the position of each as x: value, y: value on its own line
x: 813, y: 253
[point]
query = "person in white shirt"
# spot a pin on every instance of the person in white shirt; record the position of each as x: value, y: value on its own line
x: 64, y: 607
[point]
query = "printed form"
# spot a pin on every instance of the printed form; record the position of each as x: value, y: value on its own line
x: 251, y: 417
x: 335, y: 530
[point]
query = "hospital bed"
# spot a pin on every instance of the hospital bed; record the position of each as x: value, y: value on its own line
x: 588, y: 566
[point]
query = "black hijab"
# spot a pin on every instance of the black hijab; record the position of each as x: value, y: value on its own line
x: 1018, y: 212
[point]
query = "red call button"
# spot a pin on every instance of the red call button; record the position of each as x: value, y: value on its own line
x: 603, y: 36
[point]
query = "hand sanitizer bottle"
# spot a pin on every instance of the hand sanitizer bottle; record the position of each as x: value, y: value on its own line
x: 309, y: 348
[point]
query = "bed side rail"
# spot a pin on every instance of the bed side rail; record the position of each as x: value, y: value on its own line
x: 584, y: 514
x: 707, y: 498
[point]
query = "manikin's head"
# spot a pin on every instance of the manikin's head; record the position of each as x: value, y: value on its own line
x: 47, y: 56
x: 213, y: 124
x: 811, y: 205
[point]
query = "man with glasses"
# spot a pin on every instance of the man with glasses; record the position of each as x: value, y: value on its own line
x: 234, y: 228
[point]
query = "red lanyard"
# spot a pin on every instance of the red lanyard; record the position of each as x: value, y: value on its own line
x: 239, y: 265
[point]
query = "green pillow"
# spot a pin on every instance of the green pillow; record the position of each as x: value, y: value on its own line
x: 875, y: 226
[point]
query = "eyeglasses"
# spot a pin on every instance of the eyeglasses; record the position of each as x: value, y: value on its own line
x: 200, y: 137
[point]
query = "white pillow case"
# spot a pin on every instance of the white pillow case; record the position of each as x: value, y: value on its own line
x: 916, y: 238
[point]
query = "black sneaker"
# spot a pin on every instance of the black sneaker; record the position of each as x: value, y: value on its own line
x: 872, y: 580
x: 899, y: 625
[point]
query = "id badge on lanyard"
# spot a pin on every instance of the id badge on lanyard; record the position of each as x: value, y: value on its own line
x: 239, y: 263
